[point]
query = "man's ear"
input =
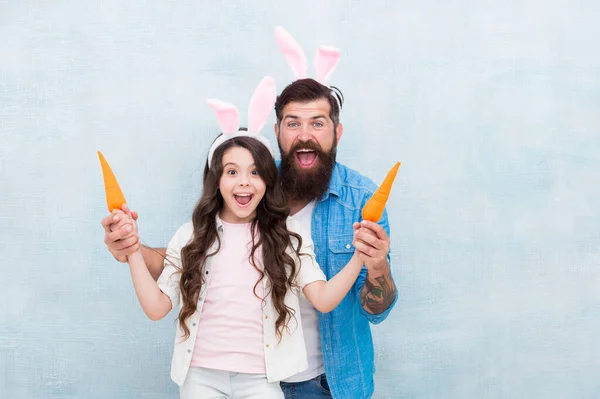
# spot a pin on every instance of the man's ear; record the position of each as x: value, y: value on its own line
x: 339, y: 130
x: 276, y: 130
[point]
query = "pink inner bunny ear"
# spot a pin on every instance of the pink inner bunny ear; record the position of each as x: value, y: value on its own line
x: 326, y: 60
x: 261, y: 104
x: 292, y: 52
x: 227, y: 116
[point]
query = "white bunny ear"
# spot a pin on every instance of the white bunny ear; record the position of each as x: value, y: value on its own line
x: 261, y: 104
x: 292, y: 52
x: 326, y: 60
x: 227, y: 115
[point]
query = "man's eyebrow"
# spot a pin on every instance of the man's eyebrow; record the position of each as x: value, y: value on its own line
x: 312, y: 117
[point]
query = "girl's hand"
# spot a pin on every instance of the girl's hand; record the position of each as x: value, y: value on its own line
x: 126, y: 221
x: 121, y: 233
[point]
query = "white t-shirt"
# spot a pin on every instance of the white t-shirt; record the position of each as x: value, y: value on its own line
x: 309, y: 315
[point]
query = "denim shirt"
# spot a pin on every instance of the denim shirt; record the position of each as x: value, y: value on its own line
x: 346, y: 341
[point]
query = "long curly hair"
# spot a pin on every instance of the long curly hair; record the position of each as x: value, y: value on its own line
x: 269, y: 234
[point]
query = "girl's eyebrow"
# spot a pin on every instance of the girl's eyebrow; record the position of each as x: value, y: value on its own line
x: 236, y: 165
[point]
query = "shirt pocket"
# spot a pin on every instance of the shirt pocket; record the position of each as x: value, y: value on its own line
x: 340, y: 252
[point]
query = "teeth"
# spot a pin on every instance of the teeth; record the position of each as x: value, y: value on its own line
x: 305, y: 150
x: 243, y: 195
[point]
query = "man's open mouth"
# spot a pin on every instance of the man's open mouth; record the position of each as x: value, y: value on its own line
x: 306, y: 158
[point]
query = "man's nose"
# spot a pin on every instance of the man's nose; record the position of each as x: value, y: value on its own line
x: 305, y: 133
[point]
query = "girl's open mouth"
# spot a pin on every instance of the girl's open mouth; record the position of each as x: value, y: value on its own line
x: 242, y: 199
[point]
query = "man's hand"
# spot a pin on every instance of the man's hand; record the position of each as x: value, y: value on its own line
x: 120, y: 236
x: 373, y: 245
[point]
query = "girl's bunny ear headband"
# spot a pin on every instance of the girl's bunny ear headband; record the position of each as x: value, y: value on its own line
x: 326, y: 59
x: 261, y: 105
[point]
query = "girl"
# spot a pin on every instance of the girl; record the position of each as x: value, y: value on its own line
x: 236, y: 271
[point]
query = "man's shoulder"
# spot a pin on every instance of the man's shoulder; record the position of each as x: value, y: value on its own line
x: 353, y: 180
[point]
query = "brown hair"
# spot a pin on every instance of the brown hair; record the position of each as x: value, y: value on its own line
x: 306, y: 90
x: 273, y: 239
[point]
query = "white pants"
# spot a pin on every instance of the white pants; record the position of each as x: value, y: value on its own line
x: 202, y: 383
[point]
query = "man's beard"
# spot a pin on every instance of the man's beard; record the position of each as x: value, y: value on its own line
x: 301, y: 184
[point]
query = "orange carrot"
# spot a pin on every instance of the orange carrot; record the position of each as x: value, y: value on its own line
x: 114, y: 195
x: 373, y: 209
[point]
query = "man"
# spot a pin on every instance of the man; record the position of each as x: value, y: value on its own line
x: 326, y: 198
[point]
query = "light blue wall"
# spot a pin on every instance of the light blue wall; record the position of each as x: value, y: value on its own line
x: 493, y: 108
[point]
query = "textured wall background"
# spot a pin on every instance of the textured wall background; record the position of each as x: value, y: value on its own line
x: 493, y: 107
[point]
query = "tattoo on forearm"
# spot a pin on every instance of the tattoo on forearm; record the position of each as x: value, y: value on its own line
x: 377, y: 294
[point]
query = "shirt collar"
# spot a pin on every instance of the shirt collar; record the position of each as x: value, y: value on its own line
x: 219, y: 223
x: 335, y: 183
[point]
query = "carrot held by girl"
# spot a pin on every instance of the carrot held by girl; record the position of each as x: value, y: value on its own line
x: 237, y: 269
x: 114, y: 196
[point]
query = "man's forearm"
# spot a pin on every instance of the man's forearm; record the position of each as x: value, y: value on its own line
x: 154, y: 259
x: 378, y: 292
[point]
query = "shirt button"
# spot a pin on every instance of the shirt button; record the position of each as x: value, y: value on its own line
x: 189, y: 351
x: 347, y: 246
x: 266, y: 317
x: 267, y: 345
x: 194, y: 324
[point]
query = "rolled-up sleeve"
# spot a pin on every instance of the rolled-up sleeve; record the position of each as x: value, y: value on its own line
x: 308, y: 270
x: 168, y: 282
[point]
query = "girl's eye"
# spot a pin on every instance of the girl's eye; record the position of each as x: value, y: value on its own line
x: 231, y: 172
x: 254, y: 173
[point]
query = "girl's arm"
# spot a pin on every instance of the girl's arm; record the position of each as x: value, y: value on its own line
x: 155, y: 303
x: 154, y: 259
x: 325, y: 296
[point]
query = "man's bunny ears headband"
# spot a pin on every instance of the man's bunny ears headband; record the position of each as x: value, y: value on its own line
x: 265, y: 95
x: 326, y: 59
x: 261, y: 105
